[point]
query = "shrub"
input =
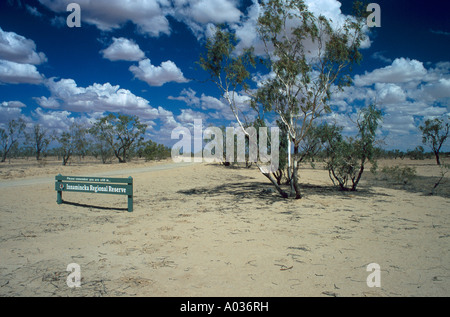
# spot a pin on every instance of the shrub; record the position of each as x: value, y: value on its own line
x: 399, y: 174
x: 347, y: 156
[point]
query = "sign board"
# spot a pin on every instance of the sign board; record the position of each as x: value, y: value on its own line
x: 95, y: 185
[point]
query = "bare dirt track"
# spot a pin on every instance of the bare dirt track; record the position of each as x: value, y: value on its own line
x: 206, y: 230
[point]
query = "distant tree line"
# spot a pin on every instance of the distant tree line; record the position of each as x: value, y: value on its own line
x: 114, y: 136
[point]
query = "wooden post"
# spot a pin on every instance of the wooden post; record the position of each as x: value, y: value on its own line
x: 130, y: 197
x: 59, y: 192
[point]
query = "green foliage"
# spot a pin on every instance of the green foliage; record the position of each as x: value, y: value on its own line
x: 10, y: 136
x: 445, y: 168
x: 154, y: 151
x: 225, y: 68
x: 302, y: 79
x: 417, y: 154
x: 101, y: 148
x: 39, y: 140
x: 402, y: 175
x: 302, y: 82
x: 435, y: 133
x: 347, y: 156
x: 120, y: 132
x: 72, y: 142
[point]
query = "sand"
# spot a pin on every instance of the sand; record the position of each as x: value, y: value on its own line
x: 206, y: 230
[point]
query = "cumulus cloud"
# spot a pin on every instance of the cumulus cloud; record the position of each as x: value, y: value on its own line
x: 151, y: 16
x: 55, y: 120
x: 107, y: 15
x: 401, y: 70
x: 189, y: 115
x: 13, y: 104
x: 439, y: 89
x: 10, y: 110
x: 390, y: 94
x: 97, y: 98
x: 15, y: 73
x: 158, y: 75
x: 204, y: 102
x: 210, y: 11
x: 18, y: 49
x: 199, y: 15
x: 406, y: 91
x: 216, y: 108
x: 123, y: 49
x: 47, y: 103
x: 87, y: 104
x: 18, y: 58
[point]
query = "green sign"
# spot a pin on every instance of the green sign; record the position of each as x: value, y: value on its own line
x: 96, y: 185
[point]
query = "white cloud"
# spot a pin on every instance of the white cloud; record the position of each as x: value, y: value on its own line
x: 204, y: 102
x: 343, y: 120
x: 150, y: 16
x: 48, y: 103
x: 158, y: 75
x: 18, y: 58
x: 216, y: 108
x: 189, y: 115
x: 402, y: 70
x: 15, y: 73
x: 200, y: 15
x: 91, y: 103
x: 123, y: 49
x: 406, y: 91
x: 13, y: 104
x: 206, y: 11
x: 438, y: 89
x: 399, y: 123
x: 390, y: 94
x: 18, y: 49
x: 10, y: 110
x: 107, y: 15
x: 54, y: 120
x: 189, y: 96
x: 96, y: 98
x: 330, y: 9
x: 247, y: 32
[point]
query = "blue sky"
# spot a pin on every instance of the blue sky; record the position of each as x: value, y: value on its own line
x: 140, y: 60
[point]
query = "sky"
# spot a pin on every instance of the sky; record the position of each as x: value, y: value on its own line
x: 139, y: 58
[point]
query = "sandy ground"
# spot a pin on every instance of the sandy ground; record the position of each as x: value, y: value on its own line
x: 206, y: 230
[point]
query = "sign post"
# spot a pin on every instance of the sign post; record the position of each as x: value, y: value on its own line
x: 95, y: 185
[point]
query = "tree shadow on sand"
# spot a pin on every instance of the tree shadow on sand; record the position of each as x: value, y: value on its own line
x: 265, y: 191
x: 419, y: 184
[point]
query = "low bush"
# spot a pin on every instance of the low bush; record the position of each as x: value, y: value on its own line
x: 402, y: 175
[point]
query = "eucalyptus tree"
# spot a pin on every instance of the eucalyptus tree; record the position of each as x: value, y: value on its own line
x: 120, y: 132
x: 72, y: 142
x: 10, y: 136
x: 309, y: 58
x: 347, y: 157
x: 39, y: 138
x: 434, y: 133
